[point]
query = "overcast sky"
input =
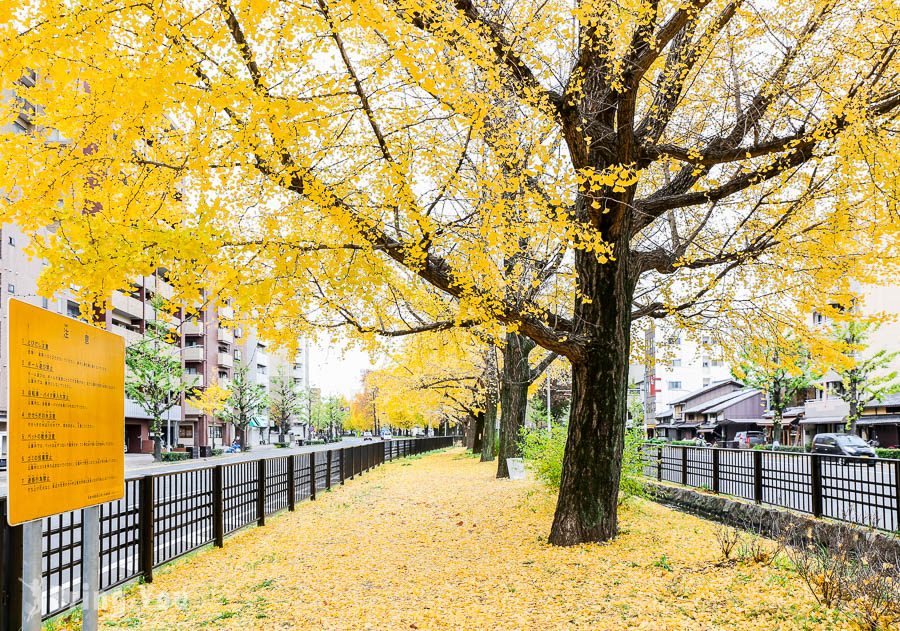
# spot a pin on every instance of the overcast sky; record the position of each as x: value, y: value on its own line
x: 337, y: 371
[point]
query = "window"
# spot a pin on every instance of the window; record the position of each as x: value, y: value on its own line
x: 11, y: 241
x: 11, y: 288
x: 223, y: 374
x: 260, y: 369
x: 706, y: 381
x: 185, y: 431
x: 718, y: 363
x: 674, y: 339
x: 261, y: 347
x: 674, y: 385
x: 215, y: 431
x: 191, y: 370
x: 705, y: 363
x: 818, y: 318
x: 237, y: 354
x: 72, y: 309
x: 45, y: 303
x: 676, y: 363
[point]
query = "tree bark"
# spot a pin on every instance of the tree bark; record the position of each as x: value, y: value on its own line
x: 586, y: 509
x: 490, y: 429
x: 514, y: 381
x: 478, y: 432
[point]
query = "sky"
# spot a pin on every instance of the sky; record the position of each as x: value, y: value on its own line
x: 337, y: 371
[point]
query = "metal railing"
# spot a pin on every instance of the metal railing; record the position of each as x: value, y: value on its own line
x: 164, y: 516
x: 863, y: 491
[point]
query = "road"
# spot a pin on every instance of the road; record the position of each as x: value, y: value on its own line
x: 139, y: 464
x: 852, y: 490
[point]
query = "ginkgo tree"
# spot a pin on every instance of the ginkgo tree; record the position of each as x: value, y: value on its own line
x: 636, y: 158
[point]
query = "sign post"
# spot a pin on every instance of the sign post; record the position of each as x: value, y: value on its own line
x: 66, y: 420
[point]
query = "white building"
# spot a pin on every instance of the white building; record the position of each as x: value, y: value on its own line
x: 675, y: 365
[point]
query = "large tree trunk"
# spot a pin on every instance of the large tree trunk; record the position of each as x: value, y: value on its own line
x: 478, y: 432
x: 490, y: 429
x: 589, y: 489
x: 514, y: 381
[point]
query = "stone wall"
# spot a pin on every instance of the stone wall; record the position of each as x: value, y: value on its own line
x: 768, y: 521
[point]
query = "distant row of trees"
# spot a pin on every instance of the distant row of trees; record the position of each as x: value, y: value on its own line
x: 784, y: 367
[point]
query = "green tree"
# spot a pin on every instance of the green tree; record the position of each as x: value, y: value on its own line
x: 286, y: 403
x: 155, y: 378
x: 245, y: 404
x: 864, y: 379
x: 329, y: 413
x: 779, y: 367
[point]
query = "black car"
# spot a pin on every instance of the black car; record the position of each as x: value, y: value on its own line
x: 842, y: 445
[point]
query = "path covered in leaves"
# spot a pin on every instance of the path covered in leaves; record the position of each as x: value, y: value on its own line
x: 438, y: 543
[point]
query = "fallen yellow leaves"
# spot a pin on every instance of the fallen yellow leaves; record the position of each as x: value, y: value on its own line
x: 438, y: 543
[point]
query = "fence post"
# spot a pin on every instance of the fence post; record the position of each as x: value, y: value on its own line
x: 757, y: 476
x: 815, y: 467
x: 292, y: 488
x: 261, y: 492
x: 218, y: 506
x: 328, y: 470
x: 715, y: 469
x: 312, y: 475
x: 897, y: 493
x: 145, y: 528
x: 659, y: 463
x: 684, y: 453
x: 10, y: 573
x: 343, y: 466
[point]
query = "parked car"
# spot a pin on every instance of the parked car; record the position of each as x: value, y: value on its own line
x: 386, y: 434
x: 367, y: 436
x: 843, y: 445
x: 749, y: 440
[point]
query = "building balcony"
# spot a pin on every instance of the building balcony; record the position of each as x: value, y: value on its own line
x: 130, y: 305
x: 226, y: 335
x: 158, y: 286
x: 226, y: 312
x: 131, y: 337
x: 226, y: 360
x: 826, y: 408
x: 194, y: 380
x: 190, y: 327
x: 193, y: 354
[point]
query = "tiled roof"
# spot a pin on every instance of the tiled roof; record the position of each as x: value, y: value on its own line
x: 714, y: 384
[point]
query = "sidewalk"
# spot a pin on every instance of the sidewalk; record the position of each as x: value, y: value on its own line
x: 438, y: 543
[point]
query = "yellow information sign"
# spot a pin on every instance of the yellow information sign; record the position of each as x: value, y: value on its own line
x: 66, y: 414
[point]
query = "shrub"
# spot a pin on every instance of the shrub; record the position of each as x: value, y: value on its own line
x: 631, y: 482
x: 792, y: 448
x: 316, y: 441
x: 686, y: 443
x: 543, y: 453
x: 282, y: 445
x: 888, y: 453
x: 728, y: 539
x: 174, y: 456
x: 850, y: 573
x: 217, y: 452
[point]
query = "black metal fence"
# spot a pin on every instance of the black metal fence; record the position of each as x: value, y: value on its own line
x: 165, y: 516
x: 863, y: 491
